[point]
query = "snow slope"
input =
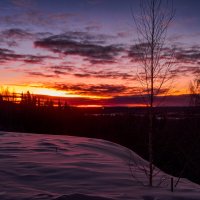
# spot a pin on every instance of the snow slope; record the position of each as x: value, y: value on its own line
x: 54, y: 167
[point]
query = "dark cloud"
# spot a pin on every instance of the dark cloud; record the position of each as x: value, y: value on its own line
x: 142, y: 51
x: 14, y: 36
x: 36, y: 59
x: 189, y: 55
x: 184, y: 70
x: 82, y: 75
x: 6, y: 51
x: 42, y: 75
x: 89, y: 89
x: 65, y: 69
x: 105, y: 74
x: 82, y: 44
x: 16, y: 33
x: 9, y: 55
x: 59, y: 72
x: 101, y: 62
x: 62, y: 67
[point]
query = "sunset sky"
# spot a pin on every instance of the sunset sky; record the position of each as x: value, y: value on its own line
x: 82, y: 49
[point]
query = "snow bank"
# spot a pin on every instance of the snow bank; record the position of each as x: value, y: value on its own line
x: 58, y: 167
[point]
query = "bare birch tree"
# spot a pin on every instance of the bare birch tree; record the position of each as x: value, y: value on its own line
x: 155, y: 60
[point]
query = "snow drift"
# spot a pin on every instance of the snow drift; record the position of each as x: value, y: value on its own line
x: 54, y: 167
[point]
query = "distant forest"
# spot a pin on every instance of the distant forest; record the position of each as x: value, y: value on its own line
x: 31, y: 99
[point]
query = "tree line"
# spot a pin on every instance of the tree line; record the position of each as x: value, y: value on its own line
x: 32, y: 100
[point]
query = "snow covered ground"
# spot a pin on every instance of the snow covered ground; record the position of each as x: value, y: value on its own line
x: 54, y: 167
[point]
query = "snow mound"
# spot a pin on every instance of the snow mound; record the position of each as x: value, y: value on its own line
x: 54, y: 167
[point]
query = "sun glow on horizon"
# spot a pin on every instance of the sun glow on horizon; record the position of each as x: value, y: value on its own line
x: 90, y: 106
x: 37, y: 90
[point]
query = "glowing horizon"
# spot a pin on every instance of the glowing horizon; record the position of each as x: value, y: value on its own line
x: 47, y: 91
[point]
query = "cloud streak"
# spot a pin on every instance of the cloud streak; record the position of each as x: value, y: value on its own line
x: 89, y: 89
x: 42, y: 75
x: 106, y: 75
x: 9, y: 55
x: 188, y: 55
x: 94, y: 89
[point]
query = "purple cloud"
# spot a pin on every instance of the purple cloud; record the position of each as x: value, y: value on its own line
x: 82, y: 44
